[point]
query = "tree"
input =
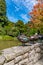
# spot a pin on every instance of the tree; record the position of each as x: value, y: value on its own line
x: 20, y: 25
x: 2, y: 31
x: 2, y: 7
x: 37, y: 15
x: 11, y: 29
x: 6, y: 27
x: 3, y: 18
x: 13, y: 32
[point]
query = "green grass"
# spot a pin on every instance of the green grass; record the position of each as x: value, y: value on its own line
x: 9, y: 43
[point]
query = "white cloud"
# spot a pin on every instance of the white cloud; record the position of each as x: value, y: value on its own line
x: 14, y: 0
x: 20, y: 6
x: 26, y: 3
x: 17, y: 8
x: 29, y: 3
x: 13, y: 19
x: 24, y: 17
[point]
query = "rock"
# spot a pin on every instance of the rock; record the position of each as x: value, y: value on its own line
x: 26, y: 55
x: 2, y: 59
x: 40, y: 62
x: 31, y: 58
x: 31, y: 63
x: 9, y: 57
x: 41, y: 47
x: 38, y: 50
x: 7, y: 51
x: 32, y: 53
x: 22, y: 55
x: 36, y: 45
x: 18, y: 51
x: 32, y: 47
x: 37, y: 57
x: 10, y: 63
x: 24, y: 62
x: 17, y: 59
x: 16, y: 64
x: 26, y: 49
x: 41, y: 51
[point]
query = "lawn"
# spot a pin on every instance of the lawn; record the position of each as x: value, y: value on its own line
x: 9, y: 43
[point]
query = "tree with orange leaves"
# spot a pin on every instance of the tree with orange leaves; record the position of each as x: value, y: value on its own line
x: 37, y: 15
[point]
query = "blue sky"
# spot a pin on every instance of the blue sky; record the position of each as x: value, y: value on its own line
x: 19, y: 9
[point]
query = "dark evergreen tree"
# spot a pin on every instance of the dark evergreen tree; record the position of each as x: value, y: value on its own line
x: 2, y: 8
x: 3, y: 18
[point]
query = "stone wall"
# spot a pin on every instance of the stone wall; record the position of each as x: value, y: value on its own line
x: 19, y: 55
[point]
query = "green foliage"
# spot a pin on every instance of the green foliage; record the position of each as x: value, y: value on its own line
x: 20, y: 26
x: 2, y: 7
x: 13, y: 29
x: 41, y: 28
x: 3, y: 21
x: 3, y: 18
x: 13, y: 32
x: 6, y: 37
x: 32, y: 31
x: 10, y: 28
x: 2, y: 11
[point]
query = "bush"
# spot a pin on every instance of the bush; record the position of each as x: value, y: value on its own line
x: 6, y: 37
x: 13, y: 32
x: 2, y: 31
x: 32, y: 31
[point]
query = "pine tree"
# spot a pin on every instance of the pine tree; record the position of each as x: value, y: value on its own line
x: 2, y: 8
x: 3, y: 18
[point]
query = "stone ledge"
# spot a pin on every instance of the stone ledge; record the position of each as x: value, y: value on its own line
x: 19, y: 55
